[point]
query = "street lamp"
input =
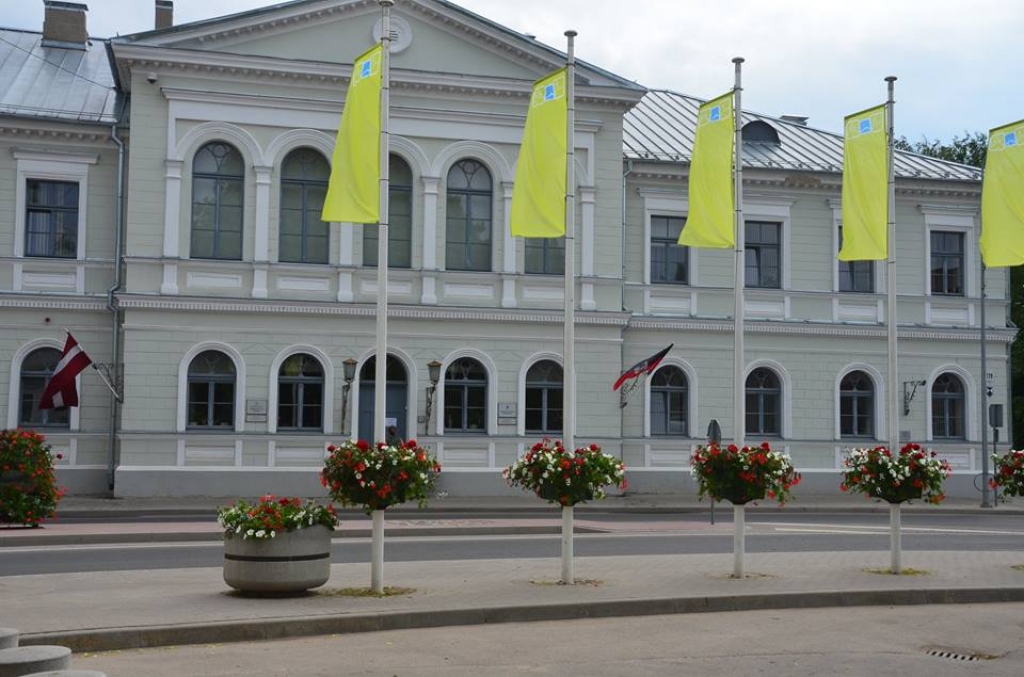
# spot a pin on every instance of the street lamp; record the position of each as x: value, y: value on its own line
x: 350, y: 374
x: 434, y: 372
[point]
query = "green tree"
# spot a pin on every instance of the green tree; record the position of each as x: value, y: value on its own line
x: 970, y: 149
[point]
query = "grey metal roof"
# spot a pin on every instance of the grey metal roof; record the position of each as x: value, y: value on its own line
x: 661, y: 127
x: 54, y: 82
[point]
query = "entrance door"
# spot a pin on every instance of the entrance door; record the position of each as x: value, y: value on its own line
x: 396, y: 397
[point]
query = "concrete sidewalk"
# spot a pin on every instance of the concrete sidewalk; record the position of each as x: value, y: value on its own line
x: 118, y: 610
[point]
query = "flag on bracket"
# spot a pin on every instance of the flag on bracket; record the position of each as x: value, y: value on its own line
x: 60, y: 392
x: 1002, y: 198
x: 643, y: 367
x: 711, y: 221
x: 353, y: 192
x: 538, y: 195
x: 865, y: 187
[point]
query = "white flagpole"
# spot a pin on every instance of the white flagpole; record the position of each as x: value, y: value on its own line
x: 569, y: 337
x: 738, y: 401
x: 380, y: 374
x: 895, y: 537
x: 739, y: 389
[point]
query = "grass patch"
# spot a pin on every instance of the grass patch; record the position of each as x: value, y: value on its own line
x: 389, y: 591
x: 730, y: 577
x: 1018, y: 567
x: 907, y: 571
x: 591, y: 582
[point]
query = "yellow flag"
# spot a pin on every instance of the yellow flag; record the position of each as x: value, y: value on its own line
x: 353, y: 193
x: 1002, y: 198
x: 538, y: 195
x: 865, y: 187
x: 711, y: 222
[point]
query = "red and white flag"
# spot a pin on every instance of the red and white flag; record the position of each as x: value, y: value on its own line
x: 60, y: 392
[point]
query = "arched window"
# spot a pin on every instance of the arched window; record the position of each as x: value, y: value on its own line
x: 218, y: 176
x: 856, y: 405
x: 300, y: 394
x: 468, y: 230
x: 948, y: 411
x: 764, y: 403
x: 759, y: 131
x: 303, y: 237
x: 211, y: 391
x: 399, y: 219
x: 670, y: 402
x: 465, y: 397
x: 36, y: 370
x: 544, y: 398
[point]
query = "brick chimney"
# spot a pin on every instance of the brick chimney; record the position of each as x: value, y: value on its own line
x: 64, y: 24
x: 164, y: 14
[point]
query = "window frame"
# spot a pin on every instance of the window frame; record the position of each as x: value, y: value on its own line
x: 305, y: 186
x: 220, y: 180
x: 463, y: 387
x: 667, y: 391
x: 300, y: 383
x: 946, y: 398
x: 859, y: 399
x: 43, y: 376
x: 668, y: 245
x: 552, y: 253
x: 396, y: 192
x: 761, y: 393
x: 466, y: 194
x: 961, y: 257
x: 851, y: 270
x: 60, y: 167
x: 52, y: 220
x: 211, y: 381
x: 547, y: 389
x: 758, y: 249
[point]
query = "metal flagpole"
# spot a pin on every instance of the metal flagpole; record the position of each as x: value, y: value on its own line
x: 986, y: 493
x: 99, y: 372
x: 738, y: 391
x: 895, y: 544
x: 569, y: 336
x: 738, y: 363
x: 380, y: 373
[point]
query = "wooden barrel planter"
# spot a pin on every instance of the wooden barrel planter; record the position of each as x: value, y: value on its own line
x: 288, y: 564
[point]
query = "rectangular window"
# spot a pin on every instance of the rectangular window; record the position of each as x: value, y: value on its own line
x: 947, y: 263
x: 856, y: 276
x: 669, y: 259
x: 399, y: 231
x: 544, y: 255
x: 763, y: 255
x: 51, y: 219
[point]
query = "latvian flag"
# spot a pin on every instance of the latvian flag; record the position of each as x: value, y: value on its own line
x: 643, y: 367
x: 60, y: 392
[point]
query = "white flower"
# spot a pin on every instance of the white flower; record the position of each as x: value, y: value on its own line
x: 261, y: 533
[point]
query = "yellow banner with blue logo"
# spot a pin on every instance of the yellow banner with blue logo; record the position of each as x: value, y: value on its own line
x: 711, y: 218
x: 353, y: 193
x: 1002, y: 198
x: 538, y: 195
x: 865, y: 187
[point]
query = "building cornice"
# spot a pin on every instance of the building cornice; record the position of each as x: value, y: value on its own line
x: 49, y: 301
x: 133, y: 302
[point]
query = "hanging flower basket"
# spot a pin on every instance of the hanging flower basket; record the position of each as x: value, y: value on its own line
x: 376, y: 477
x: 911, y: 474
x: 565, y: 477
x: 1008, y: 473
x: 28, y: 488
x: 743, y: 475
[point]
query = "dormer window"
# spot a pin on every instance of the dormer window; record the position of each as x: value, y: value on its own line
x: 760, y: 131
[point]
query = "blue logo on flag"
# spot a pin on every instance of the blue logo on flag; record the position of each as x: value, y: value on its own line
x: 865, y: 125
x: 549, y: 92
x: 716, y: 114
x: 1010, y: 139
x: 367, y: 68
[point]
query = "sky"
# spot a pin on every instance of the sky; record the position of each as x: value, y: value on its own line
x: 957, y: 62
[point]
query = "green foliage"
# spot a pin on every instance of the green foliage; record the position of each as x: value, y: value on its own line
x: 270, y: 515
x: 28, y: 488
x: 375, y: 477
x: 743, y: 475
x: 969, y: 149
x: 566, y: 477
x: 912, y: 473
x: 1009, y: 473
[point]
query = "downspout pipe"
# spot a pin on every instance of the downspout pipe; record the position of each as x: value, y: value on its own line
x: 115, y: 311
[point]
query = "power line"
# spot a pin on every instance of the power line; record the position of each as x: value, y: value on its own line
x: 50, y: 63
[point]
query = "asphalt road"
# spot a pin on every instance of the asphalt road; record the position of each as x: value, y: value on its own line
x: 631, y: 533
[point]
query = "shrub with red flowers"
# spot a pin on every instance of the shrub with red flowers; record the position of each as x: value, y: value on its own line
x: 28, y: 488
x: 270, y: 515
x: 375, y: 477
x: 566, y: 477
x: 743, y: 475
x: 1009, y: 473
x: 912, y: 473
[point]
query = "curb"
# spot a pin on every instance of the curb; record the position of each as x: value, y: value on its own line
x: 111, y: 639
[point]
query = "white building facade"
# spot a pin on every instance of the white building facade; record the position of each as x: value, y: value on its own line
x: 241, y: 327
